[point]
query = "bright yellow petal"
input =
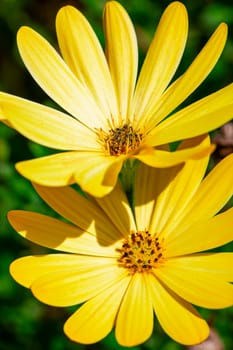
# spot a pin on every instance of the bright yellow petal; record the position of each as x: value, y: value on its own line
x: 196, y: 286
x: 209, y: 197
x: 47, y: 126
x: 54, y: 170
x: 160, y: 194
x: 177, y: 317
x: 80, y: 211
x: 198, y: 118
x: 56, y: 79
x: 97, y: 174
x: 162, y: 59
x: 215, y: 264
x: 83, y: 53
x: 96, y: 318
x: 203, y: 235
x: 134, y: 323
x: 117, y: 208
x: 192, y: 78
x: 59, y: 235
x: 80, y: 283
x: 122, y: 55
x: 28, y: 269
x: 163, y: 159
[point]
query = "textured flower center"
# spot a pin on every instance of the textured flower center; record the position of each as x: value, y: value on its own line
x: 140, y: 252
x: 121, y: 140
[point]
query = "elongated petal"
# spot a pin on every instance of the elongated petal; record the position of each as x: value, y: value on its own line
x: 97, y: 173
x: 215, y: 264
x: 198, y: 118
x: 96, y: 318
x: 177, y: 317
x: 122, y: 55
x: 28, y: 269
x: 66, y: 288
x: 54, y: 170
x: 56, y: 79
x: 191, y: 79
x: 47, y: 126
x: 203, y: 235
x: 162, y: 59
x: 208, y: 199
x: 59, y: 235
x: 134, y: 323
x: 79, y: 210
x: 196, y: 286
x: 163, y: 159
x: 83, y: 53
x: 165, y: 188
x: 117, y: 208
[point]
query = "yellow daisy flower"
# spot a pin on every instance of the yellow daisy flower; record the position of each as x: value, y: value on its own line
x: 124, y: 264
x: 110, y: 117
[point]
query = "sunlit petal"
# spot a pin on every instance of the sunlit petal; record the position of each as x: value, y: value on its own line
x: 198, y: 118
x: 192, y: 78
x: 81, y: 50
x: 162, y: 59
x: 196, y: 286
x: 96, y: 318
x: 122, y: 55
x: 56, y: 79
x: 134, y: 323
x: 47, y: 126
x: 177, y: 317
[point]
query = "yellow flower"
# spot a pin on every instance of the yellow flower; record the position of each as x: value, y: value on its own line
x: 125, y: 263
x: 110, y: 117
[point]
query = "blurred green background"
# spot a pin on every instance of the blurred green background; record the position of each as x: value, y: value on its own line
x: 25, y: 323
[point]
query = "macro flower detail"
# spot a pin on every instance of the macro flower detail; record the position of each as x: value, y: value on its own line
x: 125, y: 263
x: 111, y: 115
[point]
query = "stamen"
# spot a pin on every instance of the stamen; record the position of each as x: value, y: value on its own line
x: 140, y: 252
x: 121, y: 140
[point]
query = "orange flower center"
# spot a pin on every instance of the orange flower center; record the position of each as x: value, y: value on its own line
x: 140, y: 252
x: 121, y: 140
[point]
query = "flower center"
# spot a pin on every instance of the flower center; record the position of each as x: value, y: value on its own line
x: 121, y: 140
x: 140, y: 252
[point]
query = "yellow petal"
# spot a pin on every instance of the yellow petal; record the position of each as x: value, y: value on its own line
x: 47, y: 126
x: 28, y: 269
x: 198, y: 118
x: 196, y: 286
x: 80, y: 283
x: 215, y: 264
x: 205, y: 234
x: 97, y: 174
x: 134, y: 323
x: 163, y: 159
x: 83, y: 53
x: 192, y: 78
x: 160, y: 194
x: 209, y: 197
x: 177, y: 317
x: 56, y: 79
x: 122, y: 55
x: 162, y: 59
x: 117, y: 208
x: 59, y: 235
x: 54, y: 170
x: 96, y: 318
x: 80, y: 211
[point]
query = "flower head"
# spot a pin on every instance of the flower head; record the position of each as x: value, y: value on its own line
x: 111, y: 117
x: 124, y: 264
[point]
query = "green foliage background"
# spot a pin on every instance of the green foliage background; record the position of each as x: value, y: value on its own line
x: 25, y: 323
